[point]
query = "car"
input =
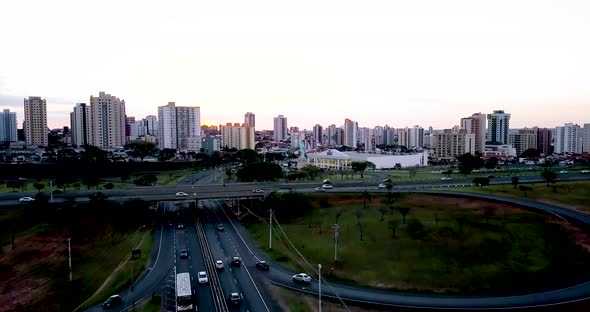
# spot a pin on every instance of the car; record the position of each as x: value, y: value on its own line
x: 235, y: 298
x: 262, y: 265
x: 236, y: 261
x: 184, y: 253
x: 382, y: 186
x: 181, y: 194
x: 26, y: 199
x: 220, y: 227
x: 302, y: 278
x: 319, y: 189
x: 180, y: 226
x: 202, y: 276
x: 327, y: 186
x: 58, y: 191
x: 445, y: 178
x: 219, y: 265
x: 112, y: 302
x: 585, y: 171
x: 200, y: 206
x: 563, y: 171
x: 177, y: 203
x: 258, y: 191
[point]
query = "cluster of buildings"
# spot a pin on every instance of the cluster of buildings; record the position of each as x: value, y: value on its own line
x: 102, y: 122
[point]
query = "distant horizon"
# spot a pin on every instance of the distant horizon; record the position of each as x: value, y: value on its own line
x: 379, y: 62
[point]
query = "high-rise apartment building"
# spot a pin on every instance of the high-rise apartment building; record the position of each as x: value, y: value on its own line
x: 403, y: 136
x: 107, y: 116
x: 350, y: 133
x: 318, y: 134
x: 498, y: 126
x: 35, y: 124
x: 129, y: 123
x: 416, y: 137
x: 523, y: 140
x: 333, y: 136
x: 250, y: 120
x: 544, y: 140
x: 236, y: 136
x: 476, y: 124
x: 449, y: 144
x: 81, y: 125
x: 586, y: 138
x: 568, y: 139
x: 8, y: 131
x: 179, y: 127
x: 280, y: 128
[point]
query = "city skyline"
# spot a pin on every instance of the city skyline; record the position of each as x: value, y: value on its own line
x: 385, y: 62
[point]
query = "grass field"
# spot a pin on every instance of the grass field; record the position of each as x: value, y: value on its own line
x: 573, y: 195
x: 455, y: 250
x: 152, y: 305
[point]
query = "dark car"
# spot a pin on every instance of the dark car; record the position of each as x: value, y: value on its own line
x: 184, y: 253
x: 220, y: 227
x: 235, y: 299
x: 112, y: 302
x: 58, y: 191
x: 236, y: 261
x: 262, y: 265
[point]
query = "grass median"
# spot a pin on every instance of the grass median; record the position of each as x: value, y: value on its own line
x: 446, y: 245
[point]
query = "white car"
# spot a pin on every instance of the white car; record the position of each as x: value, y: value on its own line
x: 563, y: 171
x: 585, y: 171
x: 327, y: 186
x: 302, y: 278
x: 219, y: 265
x: 181, y: 194
x: 382, y: 186
x: 258, y: 191
x: 26, y: 199
x: 445, y: 178
x: 203, y: 277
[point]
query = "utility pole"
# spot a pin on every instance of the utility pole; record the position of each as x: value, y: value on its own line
x: 70, y: 256
x: 320, y: 287
x: 50, y: 190
x: 336, y: 236
x: 270, y: 231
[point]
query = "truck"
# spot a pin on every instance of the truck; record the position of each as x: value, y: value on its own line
x: 184, y: 293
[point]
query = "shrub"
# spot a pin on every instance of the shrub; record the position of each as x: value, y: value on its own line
x: 416, y: 229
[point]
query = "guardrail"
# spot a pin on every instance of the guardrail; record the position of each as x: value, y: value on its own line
x: 216, y: 290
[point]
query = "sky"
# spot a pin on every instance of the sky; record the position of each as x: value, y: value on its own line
x: 400, y: 63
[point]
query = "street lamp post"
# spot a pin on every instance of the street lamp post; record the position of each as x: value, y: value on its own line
x: 319, y: 287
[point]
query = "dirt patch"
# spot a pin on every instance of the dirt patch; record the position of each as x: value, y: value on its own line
x: 32, y: 263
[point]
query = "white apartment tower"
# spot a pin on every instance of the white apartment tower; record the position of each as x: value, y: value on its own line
x: 449, y: 145
x: 280, y: 128
x: 568, y: 139
x: 416, y: 137
x: 80, y: 125
x: 250, y: 120
x: 178, y: 127
x: 8, y: 126
x: 35, y: 125
x: 498, y: 125
x: 107, y: 117
x: 476, y: 124
x: 350, y: 133
x: 586, y: 139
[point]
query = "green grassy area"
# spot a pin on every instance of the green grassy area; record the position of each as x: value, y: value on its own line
x: 294, y: 301
x: 568, y: 194
x: 455, y: 250
x: 152, y: 305
x: 121, y: 278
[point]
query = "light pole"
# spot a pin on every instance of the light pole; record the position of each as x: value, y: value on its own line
x: 320, y: 287
x: 336, y: 235
x: 270, y: 231
x: 70, y: 256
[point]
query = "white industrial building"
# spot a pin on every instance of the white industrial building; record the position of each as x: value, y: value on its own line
x: 335, y: 160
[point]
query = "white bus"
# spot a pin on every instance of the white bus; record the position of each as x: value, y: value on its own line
x: 184, y: 292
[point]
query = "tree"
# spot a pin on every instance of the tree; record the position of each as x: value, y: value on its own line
x: 141, y: 149
x: 94, y: 155
x: 404, y: 210
x: 383, y: 211
x: 91, y: 181
x: 491, y: 163
x: 14, y: 184
x: 247, y: 156
x: 39, y: 186
x: 76, y: 186
x: 481, y: 181
x: 124, y: 178
x: 392, y: 224
x: 468, y: 162
x: 166, y: 154
x: 365, y: 196
x: 359, y: 213
x: 361, y: 166
x: 550, y: 176
x: 109, y: 186
x: 525, y: 189
x: 416, y: 228
x: 460, y: 219
x: 146, y: 180
x: 338, y: 215
x: 412, y: 171
x: 515, y: 181
x: 260, y: 171
x: 531, y: 153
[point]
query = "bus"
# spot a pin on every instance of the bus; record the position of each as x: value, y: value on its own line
x: 184, y: 292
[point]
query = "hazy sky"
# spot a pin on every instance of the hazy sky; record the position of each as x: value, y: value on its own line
x: 377, y: 62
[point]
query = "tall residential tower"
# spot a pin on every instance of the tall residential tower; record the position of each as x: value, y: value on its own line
x: 107, y: 116
x: 36, y: 132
